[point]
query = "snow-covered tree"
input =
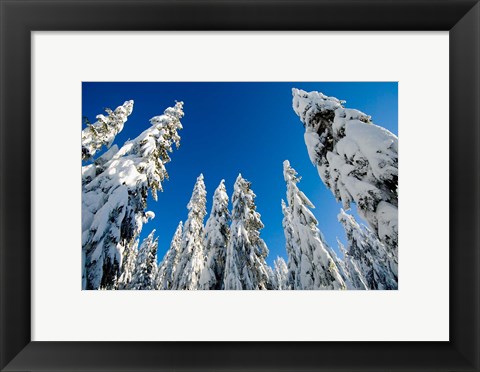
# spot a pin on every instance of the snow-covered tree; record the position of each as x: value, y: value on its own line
x: 365, y: 254
x: 129, y: 259
x: 192, y: 254
x: 166, y: 269
x: 353, y: 278
x: 357, y: 160
x: 316, y: 268
x: 246, y: 267
x: 280, y: 273
x: 104, y: 130
x: 293, y: 250
x: 232, y: 279
x: 217, y: 232
x: 145, y: 272
x: 114, y: 201
x: 339, y: 263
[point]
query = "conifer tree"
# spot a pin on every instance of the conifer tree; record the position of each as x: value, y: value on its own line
x: 217, y: 232
x: 192, y: 256
x: 356, y: 160
x: 368, y: 255
x: 232, y: 279
x: 293, y: 250
x: 316, y: 268
x: 353, y: 278
x: 280, y: 273
x: 143, y: 277
x: 246, y: 267
x: 166, y: 269
x: 114, y: 201
x: 129, y: 259
x: 339, y: 263
x: 103, y: 131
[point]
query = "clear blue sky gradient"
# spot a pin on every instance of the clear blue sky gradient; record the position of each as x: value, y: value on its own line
x: 231, y: 128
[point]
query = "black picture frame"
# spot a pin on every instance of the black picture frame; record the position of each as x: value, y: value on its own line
x: 18, y: 18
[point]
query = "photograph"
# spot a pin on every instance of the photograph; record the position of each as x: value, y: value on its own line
x: 248, y: 152
x: 239, y: 186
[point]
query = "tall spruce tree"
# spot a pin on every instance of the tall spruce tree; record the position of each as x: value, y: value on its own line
x: 357, y: 160
x: 145, y: 272
x: 280, y: 272
x: 354, y: 279
x: 192, y: 254
x: 114, y: 201
x: 316, y: 268
x: 217, y: 233
x: 339, y: 263
x: 103, y: 131
x: 166, y: 269
x: 246, y: 267
x: 368, y: 255
x: 129, y: 259
x: 293, y: 250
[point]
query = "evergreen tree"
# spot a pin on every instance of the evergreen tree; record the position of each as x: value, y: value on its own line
x: 316, y: 268
x: 356, y: 160
x: 246, y: 267
x: 114, y: 201
x: 217, y: 232
x: 368, y: 255
x: 339, y: 263
x: 143, y: 277
x: 166, y: 269
x: 103, y: 131
x: 192, y: 256
x: 293, y: 250
x: 280, y: 274
x: 271, y: 281
x: 232, y: 279
x: 353, y: 278
x: 129, y: 258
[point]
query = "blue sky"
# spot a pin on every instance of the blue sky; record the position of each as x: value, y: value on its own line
x: 232, y: 128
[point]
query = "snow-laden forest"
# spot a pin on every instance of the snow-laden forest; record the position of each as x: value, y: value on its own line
x: 356, y: 159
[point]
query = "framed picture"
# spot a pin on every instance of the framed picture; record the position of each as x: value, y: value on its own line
x: 424, y: 314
